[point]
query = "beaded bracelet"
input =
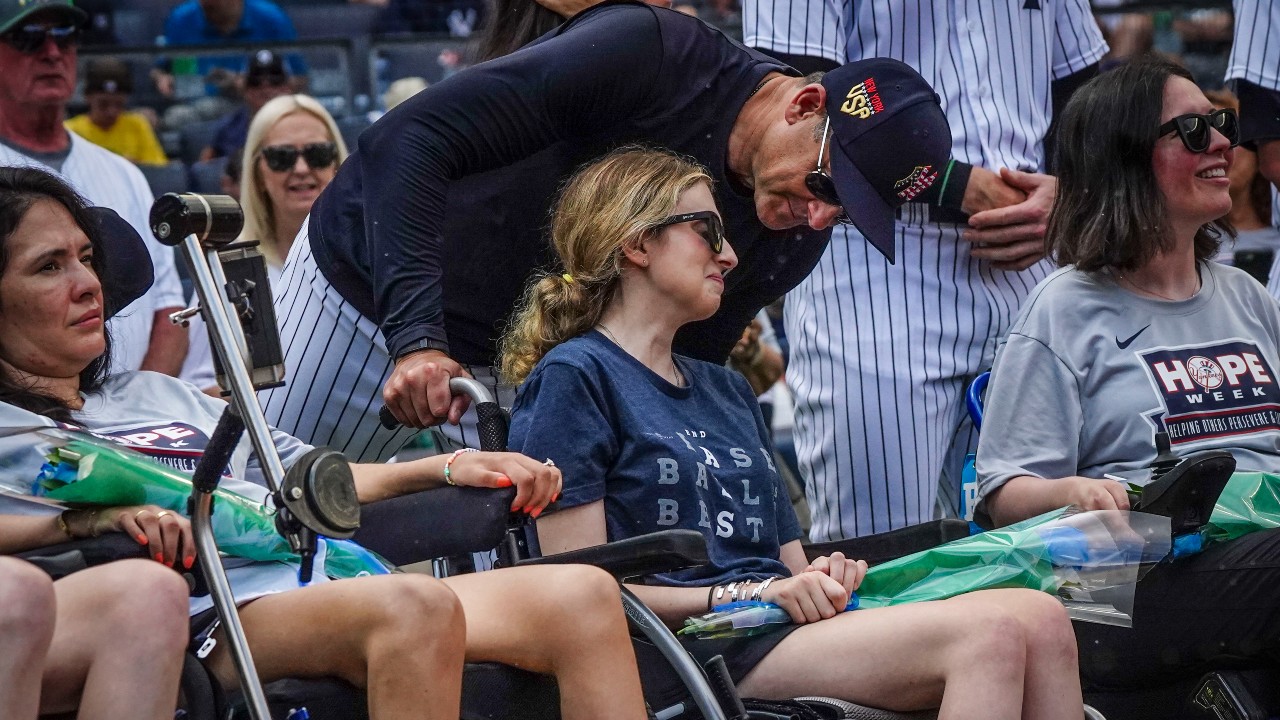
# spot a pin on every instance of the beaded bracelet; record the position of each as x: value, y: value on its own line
x: 448, y: 478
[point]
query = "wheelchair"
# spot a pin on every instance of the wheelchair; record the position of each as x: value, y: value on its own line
x: 312, y: 500
x: 1185, y: 489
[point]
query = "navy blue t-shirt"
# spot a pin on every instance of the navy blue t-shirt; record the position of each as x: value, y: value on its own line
x: 433, y: 226
x: 661, y: 457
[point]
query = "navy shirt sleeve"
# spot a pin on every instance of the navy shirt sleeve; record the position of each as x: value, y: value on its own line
x: 559, y: 408
x: 491, y: 115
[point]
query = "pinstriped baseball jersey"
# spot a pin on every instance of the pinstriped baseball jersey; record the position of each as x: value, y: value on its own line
x: 1255, y: 50
x: 881, y: 354
x: 108, y: 180
x: 796, y: 27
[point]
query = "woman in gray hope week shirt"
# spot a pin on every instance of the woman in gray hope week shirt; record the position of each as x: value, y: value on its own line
x: 1139, y: 333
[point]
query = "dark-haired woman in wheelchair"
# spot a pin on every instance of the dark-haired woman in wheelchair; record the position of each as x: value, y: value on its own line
x: 649, y: 441
x: 1140, y: 332
x: 401, y: 637
x: 108, y: 640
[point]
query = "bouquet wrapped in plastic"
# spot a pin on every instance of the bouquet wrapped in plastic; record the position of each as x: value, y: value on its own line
x: 1250, y: 502
x: 80, y: 469
x: 1091, y: 560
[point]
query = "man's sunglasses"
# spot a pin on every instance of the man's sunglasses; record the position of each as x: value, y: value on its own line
x: 282, y: 158
x: 713, y: 231
x: 821, y: 184
x: 269, y: 81
x: 1195, y: 129
x: 28, y: 39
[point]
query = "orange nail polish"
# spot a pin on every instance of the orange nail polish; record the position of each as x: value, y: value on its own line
x: 503, y: 481
x: 526, y: 510
x: 535, y: 513
x: 188, y: 562
x: 142, y: 539
x: 159, y: 557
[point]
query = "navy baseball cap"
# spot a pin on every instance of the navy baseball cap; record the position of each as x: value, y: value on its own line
x: 889, y: 142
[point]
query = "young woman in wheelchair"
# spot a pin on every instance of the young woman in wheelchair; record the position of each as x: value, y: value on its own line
x: 1138, y: 332
x: 649, y: 441
x: 403, y: 638
x: 108, y: 640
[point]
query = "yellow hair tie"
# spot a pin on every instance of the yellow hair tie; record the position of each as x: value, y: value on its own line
x: 567, y: 278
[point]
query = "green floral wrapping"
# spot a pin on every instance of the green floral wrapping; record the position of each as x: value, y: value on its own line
x: 84, y: 471
x: 1012, y: 557
x: 1250, y: 502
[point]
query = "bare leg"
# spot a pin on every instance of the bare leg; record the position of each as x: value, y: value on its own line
x: 970, y: 656
x: 1051, y: 688
x: 117, y: 648
x: 565, y: 621
x: 401, y: 637
x: 27, y: 609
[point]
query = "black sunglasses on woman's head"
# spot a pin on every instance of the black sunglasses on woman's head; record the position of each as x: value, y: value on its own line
x: 282, y: 158
x: 713, y: 232
x: 28, y: 39
x: 1195, y: 129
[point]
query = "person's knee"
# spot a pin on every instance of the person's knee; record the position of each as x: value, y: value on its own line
x: 996, y: 640
x: 580, y: 595
x: 27, y: 604
x: 1048, y: 628
x: 418, y: 606
x: 146, y: 605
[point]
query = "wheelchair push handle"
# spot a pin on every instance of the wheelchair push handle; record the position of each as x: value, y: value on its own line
x: 491, y: 420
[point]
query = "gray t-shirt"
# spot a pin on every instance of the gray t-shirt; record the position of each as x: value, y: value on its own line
x: 171, y: 422
x: 1090, y: 372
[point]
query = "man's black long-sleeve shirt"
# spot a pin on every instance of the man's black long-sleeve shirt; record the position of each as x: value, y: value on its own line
x: 433, y: 227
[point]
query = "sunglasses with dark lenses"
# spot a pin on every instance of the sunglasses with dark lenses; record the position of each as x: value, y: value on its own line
x: 282, y: 158
x: 269, y: 81
x: 712, y: 232
x: 1195, y: 129
x: 29, y: 39
x: 820, y: 183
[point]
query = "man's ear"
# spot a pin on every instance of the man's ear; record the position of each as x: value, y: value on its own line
x: 806, y: 103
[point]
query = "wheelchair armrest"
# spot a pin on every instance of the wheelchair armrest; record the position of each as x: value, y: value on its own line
x: 665, y: 551
x: 886, y: 546
x: 65, y: 558
x: 60, y: 560
x: 436, y: 523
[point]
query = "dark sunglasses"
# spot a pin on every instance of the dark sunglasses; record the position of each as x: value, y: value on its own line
x: 1194, y: 128
x: 713, y: 232
x: 282, y: 158
x: 269, y: 81
x: 28, y: 39
x: 820, y: 183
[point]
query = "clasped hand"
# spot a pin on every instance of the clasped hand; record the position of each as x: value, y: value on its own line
x: 820, y: 592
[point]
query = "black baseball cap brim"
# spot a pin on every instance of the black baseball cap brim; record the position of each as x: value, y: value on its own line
x: 869, y: 212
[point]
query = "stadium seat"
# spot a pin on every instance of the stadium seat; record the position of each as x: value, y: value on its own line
x: 168, y: 178
x: 351, y: 127
x: 196, y: 136
x: 206, y: 176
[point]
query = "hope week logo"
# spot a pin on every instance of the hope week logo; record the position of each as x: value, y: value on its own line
x: 1213, y: 391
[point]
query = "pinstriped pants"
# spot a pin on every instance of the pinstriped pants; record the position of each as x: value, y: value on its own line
x: 880, y: 358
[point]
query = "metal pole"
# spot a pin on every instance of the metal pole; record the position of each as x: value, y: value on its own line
x: 223, y: 600
x: 683, y: 665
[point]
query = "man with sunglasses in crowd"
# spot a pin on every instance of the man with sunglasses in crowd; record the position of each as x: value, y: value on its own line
x: 416, y: 254
x: 38, y: 40
x: 266, y: 78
